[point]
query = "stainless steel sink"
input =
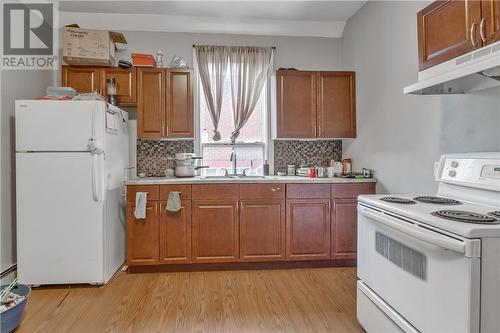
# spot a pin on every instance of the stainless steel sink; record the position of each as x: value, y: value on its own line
x: 219, y: 177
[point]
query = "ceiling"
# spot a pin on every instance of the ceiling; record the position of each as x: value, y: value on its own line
x: 268, y: 10
x: 292, y: 18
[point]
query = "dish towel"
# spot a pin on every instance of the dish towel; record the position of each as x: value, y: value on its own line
x: 174, y: 201
x: 141, y: 198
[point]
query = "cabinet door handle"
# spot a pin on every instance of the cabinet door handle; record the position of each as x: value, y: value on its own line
x: 473, y: 34
x: 481, y: 30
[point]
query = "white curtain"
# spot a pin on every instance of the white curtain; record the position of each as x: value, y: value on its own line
x: 250, y: 68
x: 212, y: 67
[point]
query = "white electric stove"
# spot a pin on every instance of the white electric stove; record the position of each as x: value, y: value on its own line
x: 431, y: 263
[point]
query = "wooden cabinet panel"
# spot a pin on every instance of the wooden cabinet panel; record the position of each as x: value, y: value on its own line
x: 150, y: 103
x: 307, y: 191
x: 175, y: 234
x: 447, y: 29
x: 262, y: 191
x: 262, y: 230
x: 185, y: 191
x: 491, y: 17
x: 228, y: 192
x: 153, y: 192
x: 296, y: 104
x: 352, y: 190
x: 179, y: 105
x: 83, y: 79
x: 336, y: 105
x: 308, y: 229
x: 142, y: 236
x: 215, y: 231
x: 125, y: 84
x: 344, y: 229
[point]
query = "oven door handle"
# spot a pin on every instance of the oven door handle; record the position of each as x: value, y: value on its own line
x: 415, y: 231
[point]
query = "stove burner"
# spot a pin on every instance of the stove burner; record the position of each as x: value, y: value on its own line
x: 467, y: 217
x: 437, y: 200
x: 398, y: 200
x: 495, y: 214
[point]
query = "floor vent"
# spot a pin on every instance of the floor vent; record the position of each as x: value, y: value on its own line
x: 402, y: 256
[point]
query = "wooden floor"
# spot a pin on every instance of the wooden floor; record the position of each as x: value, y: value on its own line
x: 298, y: 300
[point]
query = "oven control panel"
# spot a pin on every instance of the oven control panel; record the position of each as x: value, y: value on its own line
x: 475, y: 172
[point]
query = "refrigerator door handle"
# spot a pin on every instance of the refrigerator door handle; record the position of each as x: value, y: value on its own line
x: 96, y: 193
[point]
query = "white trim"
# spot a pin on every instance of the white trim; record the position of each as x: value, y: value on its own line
x: 199, y: 24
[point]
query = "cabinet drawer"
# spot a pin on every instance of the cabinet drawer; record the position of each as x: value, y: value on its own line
x: 262, y: 191
x: 308, y: 191
x: 215, y: 192
x: 184, y: 189
x: 152, y: 190
x: 352, y: 190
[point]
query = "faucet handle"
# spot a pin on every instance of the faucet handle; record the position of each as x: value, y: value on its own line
x: 225, y: 172
x: 245, y: 171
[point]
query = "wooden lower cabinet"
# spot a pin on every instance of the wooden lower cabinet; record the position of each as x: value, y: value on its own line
x: 175, y: 234
x: 142, y: 236
x: 215, y: 231
x: 344, y: 229
x: 262, y: 230
x: 308, y: 229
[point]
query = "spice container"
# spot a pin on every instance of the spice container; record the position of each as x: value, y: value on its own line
x: 291, y: 170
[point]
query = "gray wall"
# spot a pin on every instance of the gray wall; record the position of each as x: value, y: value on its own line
x: 22, y: 84
x: 298, y: 52
x: 400, y: 136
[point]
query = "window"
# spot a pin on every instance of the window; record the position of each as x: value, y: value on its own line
x: 251, y: 144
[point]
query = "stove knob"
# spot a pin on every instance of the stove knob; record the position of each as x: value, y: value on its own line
x: 452, y: 173
x: 454, y: 164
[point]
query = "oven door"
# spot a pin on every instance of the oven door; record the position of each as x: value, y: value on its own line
x: 429, y: 278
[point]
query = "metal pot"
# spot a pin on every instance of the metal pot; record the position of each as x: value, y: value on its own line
x: 187, y: 170
x: 185, y: 165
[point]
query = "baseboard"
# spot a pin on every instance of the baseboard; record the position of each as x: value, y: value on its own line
x: 238, y: 266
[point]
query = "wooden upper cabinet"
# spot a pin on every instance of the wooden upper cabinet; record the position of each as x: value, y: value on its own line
x: 164, y: 103
x: 296, y: 104
x: 336, y: 105
x: 150, y: 103
x: 125, y: 84
x: 215, y: 230
x: 142, y: 236
x: 491, y: 20
x: 175, y: 234
x: 308, y: 229
x: 448, y: 29
x: 262, y: 230
x: 81, y: 78
x: 179, y: 104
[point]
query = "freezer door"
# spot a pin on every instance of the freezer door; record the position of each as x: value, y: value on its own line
x: 59, y: 218
x: 58, y: 125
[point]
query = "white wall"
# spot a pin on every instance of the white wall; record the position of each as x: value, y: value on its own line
x: 400, y: 136
x: 21, y: 84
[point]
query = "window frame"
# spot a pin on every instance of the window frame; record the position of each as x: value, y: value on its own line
x: 265, y: 144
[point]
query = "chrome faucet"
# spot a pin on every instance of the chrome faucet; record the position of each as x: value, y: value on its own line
x: 232, y: 159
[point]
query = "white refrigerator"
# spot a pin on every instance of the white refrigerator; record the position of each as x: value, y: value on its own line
x: 71, y: 158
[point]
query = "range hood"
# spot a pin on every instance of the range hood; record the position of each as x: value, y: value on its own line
x: 474, y: 71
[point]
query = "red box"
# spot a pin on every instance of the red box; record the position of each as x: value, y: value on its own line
x: 143, y: 60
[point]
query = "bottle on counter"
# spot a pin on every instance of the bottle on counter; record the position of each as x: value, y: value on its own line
x: 265, y: 168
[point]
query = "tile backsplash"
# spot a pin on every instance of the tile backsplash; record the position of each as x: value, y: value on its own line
x: 305, y: 152
x: 152, y: 155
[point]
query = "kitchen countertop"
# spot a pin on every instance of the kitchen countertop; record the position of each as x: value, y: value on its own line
x: 267, y: 179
